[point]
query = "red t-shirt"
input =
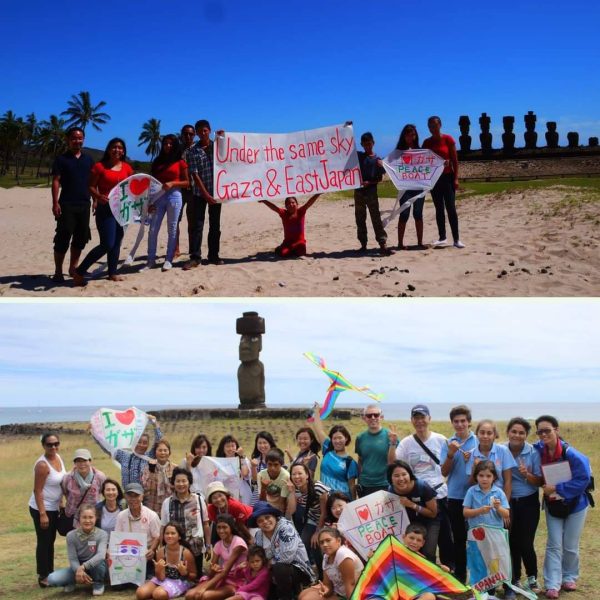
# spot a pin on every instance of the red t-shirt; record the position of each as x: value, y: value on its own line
x: 107, y: 178
x: 240, y: 512
x: 442, y: 148
x: 172, y: 172
x: 293, y: 225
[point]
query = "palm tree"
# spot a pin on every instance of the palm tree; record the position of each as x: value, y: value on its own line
x: 50, y: 139
x: 81, y: 112
x: 10, y: 127
x: 151, y: 136
x: 29, y: 135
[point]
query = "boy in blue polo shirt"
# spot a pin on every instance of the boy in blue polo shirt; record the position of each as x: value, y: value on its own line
x: 453, y: 460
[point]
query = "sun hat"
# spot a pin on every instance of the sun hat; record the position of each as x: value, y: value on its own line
x: 419, y: 409
x: 134, y: 488
x: 82, y: 453
x: 260, y: 509
x: 216, y: 486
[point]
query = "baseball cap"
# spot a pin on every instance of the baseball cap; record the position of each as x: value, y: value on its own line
x: 134, y: 488
x: 419, y: 409
x: 82, y: 453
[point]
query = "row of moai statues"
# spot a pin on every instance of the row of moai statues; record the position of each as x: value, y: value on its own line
x: 508, y: 137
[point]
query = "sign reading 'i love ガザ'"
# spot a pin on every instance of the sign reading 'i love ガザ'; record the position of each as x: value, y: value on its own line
x: 118, y: 429
x: 129, y: 199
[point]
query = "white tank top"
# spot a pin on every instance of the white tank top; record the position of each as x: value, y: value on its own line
x: 333, y: 569
x: 52, y: 490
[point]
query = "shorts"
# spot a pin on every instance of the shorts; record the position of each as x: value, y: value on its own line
x: 173, y: 587
x: 417, y: 206
x: 74, y: 222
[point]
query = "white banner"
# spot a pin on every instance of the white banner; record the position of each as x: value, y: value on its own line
x: 127, y: 558
x: 268, y: 166
x: 129, y: 199
x: 225, y: 470
x: 118, y: 429
x: 367, y: 521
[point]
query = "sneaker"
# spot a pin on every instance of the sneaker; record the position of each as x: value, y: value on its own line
x: 440, y: 244
x: 167, y: 266
x: 509, y: 594
x: 216, y: 261
x: 552, y: 594
x: 149, y: 265
x: 98, y: 589
x: 532, y: 584
x: 458, y: 244
x: 569, y: 586
x: 69, y: 588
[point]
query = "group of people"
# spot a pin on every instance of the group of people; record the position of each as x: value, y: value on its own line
x: 185, y: 169
x: 278, y: 537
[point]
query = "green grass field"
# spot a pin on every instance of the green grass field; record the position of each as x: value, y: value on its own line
x: 17, y: 536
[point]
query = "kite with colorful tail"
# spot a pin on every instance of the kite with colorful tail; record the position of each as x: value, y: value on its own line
x: 396, y: 573
x: 338, y: 385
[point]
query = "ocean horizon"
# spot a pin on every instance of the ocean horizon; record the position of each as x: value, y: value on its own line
x: 583, y: 411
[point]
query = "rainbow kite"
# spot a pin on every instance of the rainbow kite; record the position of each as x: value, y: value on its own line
x: 396, y: 573
x: 338, y: 384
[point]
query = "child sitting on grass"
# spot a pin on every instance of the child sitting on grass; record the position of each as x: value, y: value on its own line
x: 294, y: 242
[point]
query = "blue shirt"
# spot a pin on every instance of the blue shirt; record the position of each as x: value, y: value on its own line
x: 499, y: 455
x: 531, y: 458
x: 458, y: 480
x: 337, y: 470
x: 372, y: 450
x: 476, y: 498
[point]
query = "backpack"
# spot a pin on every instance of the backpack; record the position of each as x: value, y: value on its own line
x: 591, y: 487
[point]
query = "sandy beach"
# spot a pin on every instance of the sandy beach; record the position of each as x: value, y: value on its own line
x: 535, y: 243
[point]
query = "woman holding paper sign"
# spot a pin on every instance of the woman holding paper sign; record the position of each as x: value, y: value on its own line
x: 106, y: 174
x: 444, y: 191
x: 567, y: 475
x: 409, y: 140
x: 419, y: 500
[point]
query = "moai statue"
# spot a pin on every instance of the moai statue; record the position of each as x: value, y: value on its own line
x: 551, y: 135
x: 465, y: 139
x: 573, y: 138
x: 530, y: 133
x: 593, y: 142
x: 485, y: 137
x: 508, y: 137
x: 251, y: 373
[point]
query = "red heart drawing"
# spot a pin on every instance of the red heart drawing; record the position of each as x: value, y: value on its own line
x: 138, y: 186
x: 363, y: 513
x: 406, y: 158
x: 215, y: 472
x: 126, y: 417
x: 479, y: 533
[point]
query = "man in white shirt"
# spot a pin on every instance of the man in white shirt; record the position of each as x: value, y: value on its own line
x: 422, y: 452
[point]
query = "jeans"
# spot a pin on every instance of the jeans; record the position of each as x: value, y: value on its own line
x: 445, y: 541
x: 196, y: 215
x: 459, y: 533
x: 561, y: 563
x: 524, y: 519
x: 431, y: 540
x: 443, y: 195
x: 367, y: 198
x: 111, y: 234
x: 44, y: 549
x: 169, y: 203
x: 66, y: 576
x: 314, y: 554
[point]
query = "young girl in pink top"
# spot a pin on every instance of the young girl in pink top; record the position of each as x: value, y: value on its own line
x: 256, y: 575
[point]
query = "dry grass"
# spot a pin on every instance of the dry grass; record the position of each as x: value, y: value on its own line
x: 17, y: 537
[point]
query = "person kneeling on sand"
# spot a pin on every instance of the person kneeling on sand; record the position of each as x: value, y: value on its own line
x: 292, y: 217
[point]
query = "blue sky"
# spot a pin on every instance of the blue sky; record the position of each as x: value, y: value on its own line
x: 269, y: 66
x: 185, y: 353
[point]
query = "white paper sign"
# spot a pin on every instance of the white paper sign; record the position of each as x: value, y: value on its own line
x: 367, y: 521
x: 118, y: 429
x: 129, y: 199
x: 127, y: 558
x: 225, y: 470
x: 413, y: 169
x: 268, y: 166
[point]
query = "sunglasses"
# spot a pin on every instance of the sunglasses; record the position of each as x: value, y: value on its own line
x: 372, y: 416
x: 52, y: 444
x: 544, y: 431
